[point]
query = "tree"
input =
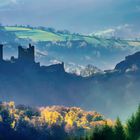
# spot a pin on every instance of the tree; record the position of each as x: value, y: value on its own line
x: 119, y: 133
x: 103, y: 133
x: 133, y: 126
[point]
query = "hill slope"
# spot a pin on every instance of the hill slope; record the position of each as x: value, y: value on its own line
x: 37, y: 34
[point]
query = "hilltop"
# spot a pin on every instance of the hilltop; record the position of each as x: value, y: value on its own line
x: 49, y: 34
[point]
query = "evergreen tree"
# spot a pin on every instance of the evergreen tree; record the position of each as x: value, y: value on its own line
x: 119, y: 133
x: 133, y: 126
x: 104, y: 133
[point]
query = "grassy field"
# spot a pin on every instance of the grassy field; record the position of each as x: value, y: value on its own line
x: 40, y: 35
x: 34, y: 34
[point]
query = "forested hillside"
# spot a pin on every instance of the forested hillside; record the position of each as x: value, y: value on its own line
x: 56, y: 122
x: 64, y: 123
x: 128, y: 131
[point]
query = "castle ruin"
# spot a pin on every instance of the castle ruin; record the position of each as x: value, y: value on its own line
x: 26, y: 60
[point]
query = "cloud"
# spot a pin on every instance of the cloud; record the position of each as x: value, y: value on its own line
x: 121, y: 31
x: 4, y: 3
x: 14, y: 1
x: 41, y: 53
x: 106, y: 32
x: 8, y: 5
x: 55, y: 61
x: 126, y: 31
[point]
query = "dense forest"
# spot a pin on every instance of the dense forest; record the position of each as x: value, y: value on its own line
x: 56, y: 122
x: 128, y: 131
x: 63, y: 123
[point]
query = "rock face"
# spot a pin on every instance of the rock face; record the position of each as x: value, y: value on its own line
x: 131, y: 63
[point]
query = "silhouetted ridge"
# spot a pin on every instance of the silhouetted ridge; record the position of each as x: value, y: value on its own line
x: 25, y: 61
x: 131, y: 63
x: 26, y: 82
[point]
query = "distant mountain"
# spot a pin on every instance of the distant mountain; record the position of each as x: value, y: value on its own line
x: 131, y: 63
x: 84, y: 71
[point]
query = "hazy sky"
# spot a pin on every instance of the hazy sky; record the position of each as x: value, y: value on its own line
x: 84, y: 16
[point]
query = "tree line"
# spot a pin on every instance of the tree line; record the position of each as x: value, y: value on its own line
x: 128, y: 131
x: 56, y: 122
x: 63, y: 123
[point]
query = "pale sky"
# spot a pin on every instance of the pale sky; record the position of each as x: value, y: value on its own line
x: 84, y: 16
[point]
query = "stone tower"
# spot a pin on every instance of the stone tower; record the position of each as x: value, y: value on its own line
x: 26, y: 55
x: 1, y: 52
